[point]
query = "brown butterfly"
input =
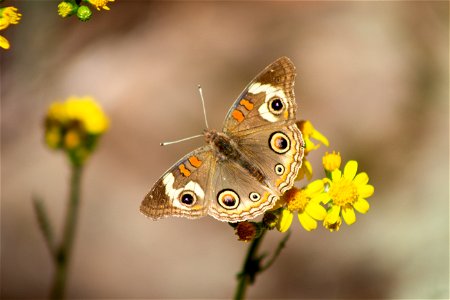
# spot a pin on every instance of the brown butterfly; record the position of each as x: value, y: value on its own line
x: 242, y: 170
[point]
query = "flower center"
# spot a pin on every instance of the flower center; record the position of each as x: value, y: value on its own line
x: 343, y: 192
x: 298, y: 201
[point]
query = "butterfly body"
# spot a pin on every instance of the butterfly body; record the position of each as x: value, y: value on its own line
x: 225, y: 148
x: 243, y: 169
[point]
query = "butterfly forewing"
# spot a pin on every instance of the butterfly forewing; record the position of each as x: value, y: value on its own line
x: 182, y: 190
x: 268, y: 99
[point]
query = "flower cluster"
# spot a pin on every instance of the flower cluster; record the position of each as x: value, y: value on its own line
x: 330, y: 199
x: 8, y: 16
x: 69, y: 8
x: 75, y: 126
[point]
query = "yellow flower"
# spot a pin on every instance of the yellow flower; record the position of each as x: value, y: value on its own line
x: 347, y: 192
x: 9, y: 15
x: 331, y: 161
x: 72, y: 139
x: 306, y: 202
x: 4, y: 42
x: 308, y: 132
x: 53, y: 137
x: 75, y: 126
x: 331, y: 222
x: 65, y: 9
x: 100, y: 3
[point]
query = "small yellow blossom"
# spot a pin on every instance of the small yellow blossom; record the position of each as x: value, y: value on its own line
x: 9, y: 15
x: 331, y: 161
x: 100, y: 4
x: 65, y: 9
x: 72, y: 139
x: 332, y: 222
x: 308, y: 132
x: 53, y: 137
x: 4, y: 42
x: 348, y: 192
x: 306, y: 202
x: 75, y: 126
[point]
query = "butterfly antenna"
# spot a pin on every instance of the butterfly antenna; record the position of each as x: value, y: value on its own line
x: 203, y: 104
x: 195, y: 136
x: 182, y: 140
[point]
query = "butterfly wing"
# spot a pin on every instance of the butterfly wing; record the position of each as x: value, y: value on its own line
x: 236, y: 196
x: 268, y: 100
x: 277, y: 151
x: 183, y: 189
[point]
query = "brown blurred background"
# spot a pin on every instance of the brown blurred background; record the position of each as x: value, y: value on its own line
x: 372, y: 76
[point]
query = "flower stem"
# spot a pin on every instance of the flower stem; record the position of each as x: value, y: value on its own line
x: 44, y: 223
x: 63, y: 253
x: 250, y: 268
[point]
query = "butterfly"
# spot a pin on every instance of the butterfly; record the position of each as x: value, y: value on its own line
x: 243, y: 169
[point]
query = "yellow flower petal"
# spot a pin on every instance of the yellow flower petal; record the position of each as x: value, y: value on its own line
x: 307, y: 222
x: 316, y: 211
x: 361, y: 179
x: 315, y: 187
x: 320, y: 137
x: 309, y: 145
x: 285, y: 220
x: 324, y: 198
x: 305, y: 170
x: 4, y: 42
x: 333, y: 214
x: 4, y: 23
x: 336, y: 175
x: 349, y: 215
x: 308, y: 169
x: 361, y: 205
x: 350, y: 169
x: 366, y: 191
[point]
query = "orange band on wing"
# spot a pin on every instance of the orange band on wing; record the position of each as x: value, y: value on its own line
x: 195, y: 162
x: 247, y: 104
x: 238, y: 115
x: 184, y: 171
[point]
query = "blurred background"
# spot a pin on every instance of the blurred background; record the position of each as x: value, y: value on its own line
x: 372, y: 76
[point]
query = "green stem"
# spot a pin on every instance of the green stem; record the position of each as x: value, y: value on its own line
x: 44, y: 224
x: 250, y: 268
x: 63, y: 253
x: 280, y: 247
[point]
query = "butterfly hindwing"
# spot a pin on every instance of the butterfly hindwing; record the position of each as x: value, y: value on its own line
x: 278, y: 150
x: 236, y: 196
